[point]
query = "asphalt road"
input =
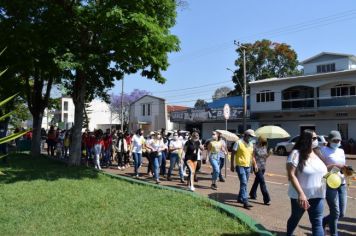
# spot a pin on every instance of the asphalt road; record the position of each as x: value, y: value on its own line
x: 273, y: 217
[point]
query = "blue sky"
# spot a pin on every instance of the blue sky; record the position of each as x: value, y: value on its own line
x: 207, y: 29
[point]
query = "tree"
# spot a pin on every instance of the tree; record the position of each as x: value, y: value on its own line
x: 264, y: 59
x: 108, y: 39
x: 221, y: 92
x: 33, y: 33
x: 116, y: 108
x: 200, y: 104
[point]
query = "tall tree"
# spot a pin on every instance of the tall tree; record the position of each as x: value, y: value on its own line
x: 221, y: 92
x: 32, y: 31
x: 107, y: 39
x: 264, y: 59
x: 116, y: 108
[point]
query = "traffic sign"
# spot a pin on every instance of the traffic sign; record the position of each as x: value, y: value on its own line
x: 227, y: 111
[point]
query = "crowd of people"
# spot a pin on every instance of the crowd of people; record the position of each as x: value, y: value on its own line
x: 307, y: 165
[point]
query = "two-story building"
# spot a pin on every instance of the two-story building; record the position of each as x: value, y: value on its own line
x: 323, y: 98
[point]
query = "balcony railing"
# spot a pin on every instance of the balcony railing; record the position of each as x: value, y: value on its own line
x: 306, y: 103
x: 337, y: 101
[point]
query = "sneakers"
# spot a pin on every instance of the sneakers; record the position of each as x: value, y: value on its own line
x: 191, y: 188
x: 119, y: 168
x: 247, y: 206
x: 214, y: 187
x: 157, y: 181
x: 221, y: 180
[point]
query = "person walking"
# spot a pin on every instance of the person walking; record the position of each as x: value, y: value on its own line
x: 138, y: 141
x: 306, y: 190
x: 334, y: 156
x: 51, y: 141
x: 261, y: 154
x: 157, y: 146
x: 191, y: 149
x: 214, y: 147
x: 222, y: 154
x: 175, y: 148
x: 243, y: 157
x: 98, y: 146
x: 121, y: 150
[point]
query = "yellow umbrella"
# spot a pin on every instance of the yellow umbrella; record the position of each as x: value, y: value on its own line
x: 228, y: 135
x: 271, y: 132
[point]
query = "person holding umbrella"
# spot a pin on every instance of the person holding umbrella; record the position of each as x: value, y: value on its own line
x: 243, y: 157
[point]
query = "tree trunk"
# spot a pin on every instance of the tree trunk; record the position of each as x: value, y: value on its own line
x: 36, y: 134
x: 78, y: 100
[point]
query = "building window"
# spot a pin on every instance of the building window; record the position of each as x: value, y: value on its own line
x: 265, y: 96
x: 65, y: 106
x: 343, y: 90
x: 148, y: 109
x: 143, y: 110
x: 65, y: 117
x: 325, y: 68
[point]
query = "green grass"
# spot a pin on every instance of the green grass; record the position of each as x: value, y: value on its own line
x: 43, y: 197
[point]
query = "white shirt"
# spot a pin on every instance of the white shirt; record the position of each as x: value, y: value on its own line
x: 310, y: 179
x: 158, y: 146
x: 137, y: 142
x: 175, y: 144
x: 334, y: 156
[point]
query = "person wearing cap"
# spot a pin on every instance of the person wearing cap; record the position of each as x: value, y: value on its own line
x: 261, y: 154
x: 334, y: 156
x: 243, y: 157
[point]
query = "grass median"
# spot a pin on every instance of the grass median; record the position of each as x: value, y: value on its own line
x: 39, y: 196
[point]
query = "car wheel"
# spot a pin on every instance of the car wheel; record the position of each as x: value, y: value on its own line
x: 281, y: 151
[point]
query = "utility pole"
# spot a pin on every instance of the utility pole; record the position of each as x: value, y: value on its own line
x: 244, y: 89
x: 122, y: 105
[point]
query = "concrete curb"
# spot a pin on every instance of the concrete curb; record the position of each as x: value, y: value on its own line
x: 230, y: 211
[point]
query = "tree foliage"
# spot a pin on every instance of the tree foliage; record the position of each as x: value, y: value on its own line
x: 264, y: 59
x: 221, y: 92
x: 200, y: 104
x: 115, y: 104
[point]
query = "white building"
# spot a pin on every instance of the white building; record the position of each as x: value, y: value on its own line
x: 323, y: 99
x: 148, y: 113
x: 99, y: 113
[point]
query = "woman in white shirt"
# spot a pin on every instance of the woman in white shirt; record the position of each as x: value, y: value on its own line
x: 306, y: 190
x: 157, y: 146
x: 137, y: 142
x: 175, y: 149
x: 336, y: 198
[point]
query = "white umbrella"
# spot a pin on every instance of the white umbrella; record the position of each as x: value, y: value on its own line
x: 271, y: 132
x: 228, y: 135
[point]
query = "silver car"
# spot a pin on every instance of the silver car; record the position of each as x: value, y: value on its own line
x: 284, y: 148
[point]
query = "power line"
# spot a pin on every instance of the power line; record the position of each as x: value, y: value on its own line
x: 307, y: 25
x: 195, y: 87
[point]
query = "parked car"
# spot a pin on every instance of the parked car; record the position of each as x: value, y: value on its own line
x: 284, y: 148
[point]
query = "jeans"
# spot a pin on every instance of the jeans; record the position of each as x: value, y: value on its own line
x: 222, y: 162
x: 315, y: 212
x: 214, y: 161
x: 163, y: 163
x: 174, y: 159
x: 336, y: 199
x: 137, y: 161
x: 97, y: 151
x: 243, y: 173
x: 156, y: 165
x: 260, y: 179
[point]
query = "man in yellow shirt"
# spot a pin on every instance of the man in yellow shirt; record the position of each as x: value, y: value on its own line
x: 243, y: 159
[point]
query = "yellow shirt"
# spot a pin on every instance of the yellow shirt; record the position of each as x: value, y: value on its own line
x: 243, y: 155
x: 215, y: 146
